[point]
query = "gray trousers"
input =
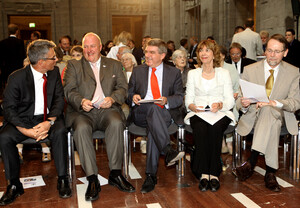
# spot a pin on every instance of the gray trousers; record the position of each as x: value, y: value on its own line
x: 108, y: 120
x: 266, y: 134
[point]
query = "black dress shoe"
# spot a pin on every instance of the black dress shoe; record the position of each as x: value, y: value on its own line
x: 214, y: 185
x: 12, y: 192
x: 271, y: 182
x: 204, y: 184
x: 172, y: 156
x: 121, y: 183
x: 149, y: 184
x: 92, y: 191
x: 244, y: 171
x: 63, y: 188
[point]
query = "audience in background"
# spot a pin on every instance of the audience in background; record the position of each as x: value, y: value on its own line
x: 106, y: 48
x: 293, y: 56
x: 264, y: 35
x: 63, y: 47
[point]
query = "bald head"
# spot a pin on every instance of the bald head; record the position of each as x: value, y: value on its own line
x: 91, y: 44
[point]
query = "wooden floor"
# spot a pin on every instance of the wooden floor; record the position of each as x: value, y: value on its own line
x: 170, y: 191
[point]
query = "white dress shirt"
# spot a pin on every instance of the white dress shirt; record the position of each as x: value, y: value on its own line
x: 38, y: 92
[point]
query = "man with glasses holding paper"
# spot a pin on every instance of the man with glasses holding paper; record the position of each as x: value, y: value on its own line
x: 281, y: 81
x: 95, y: 88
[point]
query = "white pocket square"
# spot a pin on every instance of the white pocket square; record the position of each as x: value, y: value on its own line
x: 113, y: 76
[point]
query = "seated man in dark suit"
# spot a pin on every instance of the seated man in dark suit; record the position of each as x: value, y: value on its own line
x: 237, y: 58
x: 95, y: 88
x: 152, y: 81
x: 33, y: 107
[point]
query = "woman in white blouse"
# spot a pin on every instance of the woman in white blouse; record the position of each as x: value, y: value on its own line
x: 208, y: 88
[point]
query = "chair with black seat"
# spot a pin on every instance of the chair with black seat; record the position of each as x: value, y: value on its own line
x: 133, y: 129
x: 294, y: 155
x: 99, y: 135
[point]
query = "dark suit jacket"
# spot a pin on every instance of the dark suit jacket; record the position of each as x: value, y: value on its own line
x: 138, y: 53
x: 245, y: 62
x: 293, y: 56
x: 80, y: 82
x: 171, y: 87
x: 12, y: 55
x: 19, y: 96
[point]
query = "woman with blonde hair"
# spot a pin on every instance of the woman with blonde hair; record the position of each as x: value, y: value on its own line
x: 122, y: 40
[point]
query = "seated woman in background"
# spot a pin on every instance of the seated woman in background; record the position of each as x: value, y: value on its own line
x: 179, y: 58
x: 234, y: 75
x: 208, y: 87
x: 128, y: 62
x: 76, y: 53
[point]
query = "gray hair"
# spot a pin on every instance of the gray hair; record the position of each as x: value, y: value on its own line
x: 178, y: 53
x: 129, y: 55
x: 126, y: 49
x: 38, y: 50
x: 162, y: 48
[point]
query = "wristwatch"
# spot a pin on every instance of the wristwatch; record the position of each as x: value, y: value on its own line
x: 51, y: 122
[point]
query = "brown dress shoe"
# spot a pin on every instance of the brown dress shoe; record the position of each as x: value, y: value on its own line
x: 244, y: 171
x: 271, y: 182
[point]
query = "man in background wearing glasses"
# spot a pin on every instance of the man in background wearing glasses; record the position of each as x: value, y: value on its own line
x: 33, y: 106
x: 281, y: 81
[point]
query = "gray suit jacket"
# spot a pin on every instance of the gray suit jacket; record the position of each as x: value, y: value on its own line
x: 285, y: 91
x: 80, y: 82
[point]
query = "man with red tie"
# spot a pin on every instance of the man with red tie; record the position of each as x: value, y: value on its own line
x: 156, y: 80
x: 33, y: 104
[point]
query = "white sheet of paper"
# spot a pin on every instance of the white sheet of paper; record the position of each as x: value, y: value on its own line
x: 205, y: 109
x: 33, y: 181
x: 211, y: 117
x: 103, y: 181
x: 255, y: 92
x: 149, y: 101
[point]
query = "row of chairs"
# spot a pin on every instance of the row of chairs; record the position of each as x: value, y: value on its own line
x: 180, y: 131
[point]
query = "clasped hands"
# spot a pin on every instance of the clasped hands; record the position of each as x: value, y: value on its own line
x: 246, y: 102
x: 87, y: 105
x: 215, y: 107
x: 136, y: 98
x: 38, y: 132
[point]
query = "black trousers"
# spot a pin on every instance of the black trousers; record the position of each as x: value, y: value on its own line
x: 208, y: 143
x: 156, y: 120
x: 10, y: 136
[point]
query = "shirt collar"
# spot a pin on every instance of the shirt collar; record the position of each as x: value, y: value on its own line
x: 36, y: 74
x: 13, y: 36
x: 158, y: 68
x: 98, y: 62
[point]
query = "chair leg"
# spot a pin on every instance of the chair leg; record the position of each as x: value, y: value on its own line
x: 180, y: 146
x: 126, y: 153
x: 71, y: 163
x: 236, y: 151
x: 285, y: 150
x: 294, y: 158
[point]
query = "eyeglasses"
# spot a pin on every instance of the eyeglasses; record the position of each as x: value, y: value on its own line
x: 235, y: 54
x: 276, y: 51
x: 53, y: 58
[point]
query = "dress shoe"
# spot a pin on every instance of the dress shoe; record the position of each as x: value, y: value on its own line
x: 172, y: 156
x: 121, y: 183
x: 12, y: 192
x: 271, y: 182
x: 204, y: 184
x: 149, y: 184
x: 63, y: 188
x: 92, y: 191
x: 46, y: 157
x: 214, y: 185
x: 244, y: 171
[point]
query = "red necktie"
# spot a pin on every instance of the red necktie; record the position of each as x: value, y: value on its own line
x: 155, y: 87
x: 45, y: 96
